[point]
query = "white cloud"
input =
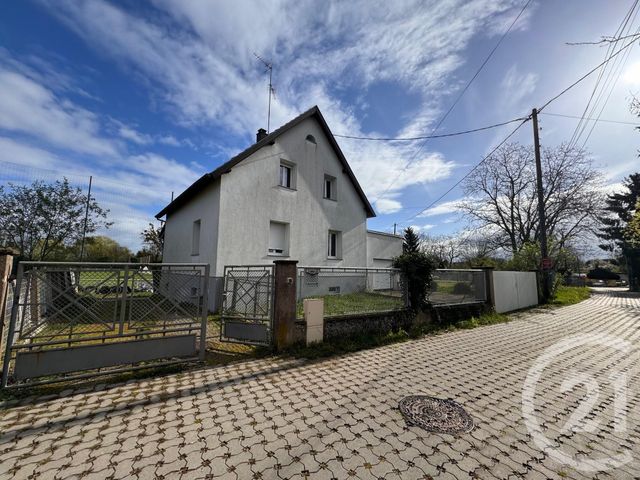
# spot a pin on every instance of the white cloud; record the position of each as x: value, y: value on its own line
x: 442, y: 209
x: 387, y: 205
x: 24, y: 155
x: 517, y: 87
x: 422, y: 228
x: 129, y: 133
x: 169, y: 140
x: 28, y: 107
x: 208, y: 75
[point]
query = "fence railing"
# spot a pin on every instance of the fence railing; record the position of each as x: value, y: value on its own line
x: 352, y: 290
x: 72, y: 317
x: 452, y: 287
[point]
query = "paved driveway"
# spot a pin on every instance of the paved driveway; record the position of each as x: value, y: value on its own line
x: 338, y: 418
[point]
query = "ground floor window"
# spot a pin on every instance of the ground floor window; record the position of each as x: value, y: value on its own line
x: 195, y: 238
x: 333, y: 244
x: 278, y: 238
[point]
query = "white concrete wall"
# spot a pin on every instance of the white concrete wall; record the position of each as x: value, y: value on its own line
x: 250, y: 198
x: 382, y: 248
x: 179, y: 229
x: 178, y: 237
x: 514, y: 290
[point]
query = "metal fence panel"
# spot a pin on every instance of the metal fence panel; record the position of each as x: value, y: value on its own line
x: 247, y: 304
x: 352, y: 290
x: 451, y: 287
x: 64, y: 306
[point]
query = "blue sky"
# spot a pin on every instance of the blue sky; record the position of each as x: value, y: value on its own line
x: 148, y: 96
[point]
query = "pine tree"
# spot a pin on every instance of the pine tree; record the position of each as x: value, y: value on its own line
x: 411, y: 241
x: 621, y: 207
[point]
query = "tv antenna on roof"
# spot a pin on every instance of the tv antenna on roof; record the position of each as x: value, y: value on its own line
x: 269, y: 69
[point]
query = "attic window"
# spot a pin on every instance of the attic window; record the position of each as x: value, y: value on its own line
x: 312, y: 139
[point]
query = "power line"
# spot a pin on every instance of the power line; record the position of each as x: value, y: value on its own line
x: 486, y: 157
x: 586, y: 75
x: 606, y: 100
x: 612, y: 56
x: 464, y: 90
x: 604, y: 40
x: 611, y: 80
x: 589, y: 118
x: 520, y: 125
x: 443, y: 135
x: 610, y: 49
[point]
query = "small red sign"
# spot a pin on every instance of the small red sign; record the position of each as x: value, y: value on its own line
x: 547, y: 263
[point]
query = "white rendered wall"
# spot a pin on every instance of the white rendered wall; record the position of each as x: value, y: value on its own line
x: 178, y: 237
x: 382, y: 248
x: 250, y: 199
x: 179, y: 229
x: 514, y: 290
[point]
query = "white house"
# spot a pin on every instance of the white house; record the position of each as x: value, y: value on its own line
x: 290, y: 195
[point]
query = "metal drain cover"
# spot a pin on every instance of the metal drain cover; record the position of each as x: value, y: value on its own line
x: 435, y: 414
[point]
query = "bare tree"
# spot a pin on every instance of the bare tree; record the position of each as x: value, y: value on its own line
x: 444, y: 250
x: 502, y: 195
x: 475, y: 248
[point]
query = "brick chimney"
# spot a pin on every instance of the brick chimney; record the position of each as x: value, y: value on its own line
x: 261, y: 134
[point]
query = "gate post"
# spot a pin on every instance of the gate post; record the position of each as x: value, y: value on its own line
x: 284, y: 303
x: 490, y: 296
x: 6, y: 263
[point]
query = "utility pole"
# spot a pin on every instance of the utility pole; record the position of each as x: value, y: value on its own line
x: 394, y: 228
x: 86, y: 218
x: 546, y: 287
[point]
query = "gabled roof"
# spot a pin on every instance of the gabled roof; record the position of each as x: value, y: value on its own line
x: 210, y: 177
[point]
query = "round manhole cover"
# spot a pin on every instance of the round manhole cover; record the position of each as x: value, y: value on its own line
x: 436, y: 414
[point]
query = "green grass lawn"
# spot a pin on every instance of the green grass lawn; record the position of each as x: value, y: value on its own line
x: 566, y: 295
x: 444, y: 286
x: 91, y: 281
x: 356, y: 303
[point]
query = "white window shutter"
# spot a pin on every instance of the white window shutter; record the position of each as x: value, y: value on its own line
x: 277, y: 237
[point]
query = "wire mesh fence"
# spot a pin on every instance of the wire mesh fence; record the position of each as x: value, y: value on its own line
x: 451, y: 287
x: 248, y: 301
x: 65, y: 306
x: 352, y: 290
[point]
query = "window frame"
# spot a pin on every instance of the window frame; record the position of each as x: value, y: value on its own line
x: 195, y: 237
x: 333, y: 191
x: 285, y: 249
x: 291, y: 167
x: 285, y: 178
x: 337, y: 247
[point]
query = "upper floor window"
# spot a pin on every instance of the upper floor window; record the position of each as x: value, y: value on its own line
x: 195, y: 238
x: 287, y: 177
x: 329, y: 187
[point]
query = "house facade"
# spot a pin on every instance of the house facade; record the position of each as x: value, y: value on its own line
x: 291, y: 195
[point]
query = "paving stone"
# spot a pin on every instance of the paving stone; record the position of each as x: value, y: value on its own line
x: 338, y: 418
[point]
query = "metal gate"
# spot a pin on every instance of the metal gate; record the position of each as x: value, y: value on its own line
x: 247, y: 305
x: 100, y: 318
